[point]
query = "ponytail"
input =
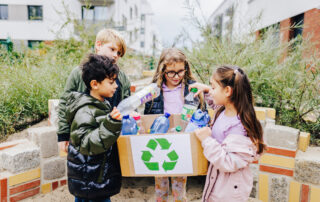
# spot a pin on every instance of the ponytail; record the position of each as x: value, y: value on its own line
x: 242, y: 99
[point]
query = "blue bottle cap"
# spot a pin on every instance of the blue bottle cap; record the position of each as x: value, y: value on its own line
x: 126, y: 117
x: 167, y: 115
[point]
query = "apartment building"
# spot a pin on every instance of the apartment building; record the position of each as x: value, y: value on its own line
x: 28, y: 22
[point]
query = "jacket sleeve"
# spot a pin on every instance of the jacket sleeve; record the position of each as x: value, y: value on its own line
x: 125, y: 85
x: 223, y: 160
x: 91, y: 137
x: 63, y: 126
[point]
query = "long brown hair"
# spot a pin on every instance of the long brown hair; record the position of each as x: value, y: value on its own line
x: 170, y: 56
x: 243, y: 101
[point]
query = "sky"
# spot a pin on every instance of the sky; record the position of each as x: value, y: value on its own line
x: 170, y: 17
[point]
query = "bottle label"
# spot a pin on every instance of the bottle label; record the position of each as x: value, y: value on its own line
x: 187, y: 112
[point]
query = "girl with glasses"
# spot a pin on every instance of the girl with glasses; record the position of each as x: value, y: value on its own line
x: 173, y: 76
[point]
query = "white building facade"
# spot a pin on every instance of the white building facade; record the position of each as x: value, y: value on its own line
x: 31, y: 21
x: 238, y: 17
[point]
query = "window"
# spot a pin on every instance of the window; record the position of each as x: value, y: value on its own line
x: 297, y: 22
x: 34, y: 44
x: 131, y: 13
x: 94, y: 13
x: 130, y: 36
x: 3, y: 12
x: 143, y: 17
x: 142, y: 30
x: 35, y: 13
x: 142, y: 44
x: 124, y: 21
x: 136, y: 11
x: 217, y: 26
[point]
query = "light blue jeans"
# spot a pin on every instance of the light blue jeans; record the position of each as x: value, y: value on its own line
x: 85, y: 200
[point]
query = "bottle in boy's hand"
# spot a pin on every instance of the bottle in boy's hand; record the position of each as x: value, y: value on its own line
x: 160, y: 124
x: 191, y: 104
x: 131, y: 103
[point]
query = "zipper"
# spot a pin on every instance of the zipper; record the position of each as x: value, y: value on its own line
x: 213, y: 183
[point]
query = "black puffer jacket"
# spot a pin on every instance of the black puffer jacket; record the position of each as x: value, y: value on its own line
x: 156, y: 106
x: 93, y: 163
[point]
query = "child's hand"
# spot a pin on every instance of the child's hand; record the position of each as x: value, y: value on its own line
x: 64, y: 146
x: 202, y: 133
x: 115, y: 114
x: 201, y: 88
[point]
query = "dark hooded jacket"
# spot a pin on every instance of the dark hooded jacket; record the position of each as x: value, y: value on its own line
x: 93, y: 163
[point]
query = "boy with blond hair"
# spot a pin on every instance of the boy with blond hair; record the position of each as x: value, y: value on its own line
x: 108, y: 43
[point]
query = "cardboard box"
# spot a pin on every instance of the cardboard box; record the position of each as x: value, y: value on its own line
x: 170, y: 154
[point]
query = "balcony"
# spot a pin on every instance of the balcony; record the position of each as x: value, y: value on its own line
x: 97, y: 2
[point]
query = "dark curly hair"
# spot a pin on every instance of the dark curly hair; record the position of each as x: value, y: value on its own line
x: 98, y: 67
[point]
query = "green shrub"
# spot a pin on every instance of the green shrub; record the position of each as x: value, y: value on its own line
x: 290, y: 85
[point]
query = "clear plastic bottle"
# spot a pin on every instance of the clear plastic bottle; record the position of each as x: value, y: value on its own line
x: 141, y: 129
x: 131, y: 103
x: 191, y: 104
x: 160, y: 124
x: 199, y: 119
x: 129, y: 126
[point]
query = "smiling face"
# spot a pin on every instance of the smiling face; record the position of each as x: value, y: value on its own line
x: 174, y: 74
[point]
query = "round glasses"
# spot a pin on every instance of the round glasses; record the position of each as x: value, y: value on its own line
x: 172, y: 74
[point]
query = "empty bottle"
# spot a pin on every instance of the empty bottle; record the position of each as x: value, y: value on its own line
x: 176, y: 129
x: 199, y: 119
x: 129, y: 126
x: 131, y: 103
x: 141, y: 129
x: 191, y: 104
x: 160, y: 124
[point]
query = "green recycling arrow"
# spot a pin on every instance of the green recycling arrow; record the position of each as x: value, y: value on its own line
x: 173, y: 156
x: 152, y: 144
x: 164, y: 144
x: 169, y: 165
x: 152, y: 165
x: 146, y: 156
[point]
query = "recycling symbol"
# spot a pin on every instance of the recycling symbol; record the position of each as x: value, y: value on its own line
x: 164, y: 145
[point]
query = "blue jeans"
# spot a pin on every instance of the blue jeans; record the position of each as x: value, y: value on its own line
x: 85, y: 200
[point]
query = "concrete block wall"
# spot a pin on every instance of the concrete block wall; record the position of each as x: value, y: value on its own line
x: 288, y: 171
x: 31, y: 166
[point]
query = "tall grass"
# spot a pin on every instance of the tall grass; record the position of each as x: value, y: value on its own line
x: 284, y: 75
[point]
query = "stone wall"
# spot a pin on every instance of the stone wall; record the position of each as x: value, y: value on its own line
x: 288, y: 171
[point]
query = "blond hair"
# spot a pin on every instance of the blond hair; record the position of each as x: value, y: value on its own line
x: 110, y: 35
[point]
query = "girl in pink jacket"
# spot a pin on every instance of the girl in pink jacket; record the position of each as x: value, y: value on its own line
x: 235, y: 139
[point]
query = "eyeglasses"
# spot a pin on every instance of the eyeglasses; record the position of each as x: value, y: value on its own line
x: 172, y: 74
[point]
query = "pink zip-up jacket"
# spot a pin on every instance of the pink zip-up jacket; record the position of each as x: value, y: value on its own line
x: 229, y: 178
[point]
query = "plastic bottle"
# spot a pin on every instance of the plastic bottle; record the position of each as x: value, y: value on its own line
x: 199, y: 119
x: 141, y: 129
x: 131, y: 103
x: 191, y: 104
x: 160, y: 124
x: 176, y: 129
x: 129, y: 126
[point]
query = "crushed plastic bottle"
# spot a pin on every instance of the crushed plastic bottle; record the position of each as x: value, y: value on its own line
x: 199, y: 119
x: 131, y: 103
x: 129, y: 126
x: 191, y: 104
x: 160, y: 124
